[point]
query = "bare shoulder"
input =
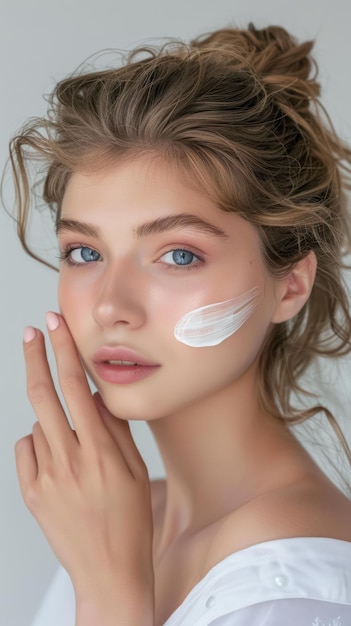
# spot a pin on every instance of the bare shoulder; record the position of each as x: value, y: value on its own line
x: 308, y: 509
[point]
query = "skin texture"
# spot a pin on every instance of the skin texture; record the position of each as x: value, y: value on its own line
x: 235, y: 475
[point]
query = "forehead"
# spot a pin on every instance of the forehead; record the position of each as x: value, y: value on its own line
x: 150, y: 184
x: 138, y: 181
x: 136, y: 192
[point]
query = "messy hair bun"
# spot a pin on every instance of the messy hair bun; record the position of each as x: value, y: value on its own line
x: 283, y: 65
x: 238, y: 111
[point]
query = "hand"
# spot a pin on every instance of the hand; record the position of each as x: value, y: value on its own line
x: 88, y: 488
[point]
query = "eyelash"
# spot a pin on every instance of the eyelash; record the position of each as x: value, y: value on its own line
x: 64, y: 256
x: 188, y: 267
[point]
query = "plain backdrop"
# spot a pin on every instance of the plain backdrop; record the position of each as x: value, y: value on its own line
x: 40, y: 42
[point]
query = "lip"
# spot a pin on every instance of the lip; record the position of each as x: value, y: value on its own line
x: 122, y: 374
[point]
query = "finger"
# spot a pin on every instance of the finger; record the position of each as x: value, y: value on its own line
x: 120, y: 433
x: 41, y: 448
x: 26, y: 465
x: 43, y: 397
x: 74, y: 384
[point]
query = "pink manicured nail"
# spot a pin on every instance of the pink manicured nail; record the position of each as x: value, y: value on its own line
x: 52, y: 321
x: 29, y: 334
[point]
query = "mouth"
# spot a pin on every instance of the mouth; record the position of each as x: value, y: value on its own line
x: 114, y: 362
x: 121, y: 365
x: 121, y: 355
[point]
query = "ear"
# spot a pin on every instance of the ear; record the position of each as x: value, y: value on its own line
x: 295, y: 289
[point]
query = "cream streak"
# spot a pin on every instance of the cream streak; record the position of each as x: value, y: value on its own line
x: 210, y: 325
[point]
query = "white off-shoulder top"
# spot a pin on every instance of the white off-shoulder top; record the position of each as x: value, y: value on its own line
x: 302, y: 581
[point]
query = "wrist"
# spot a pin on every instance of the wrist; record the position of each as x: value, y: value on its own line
x: 116, y: 613
x: 118, y: 603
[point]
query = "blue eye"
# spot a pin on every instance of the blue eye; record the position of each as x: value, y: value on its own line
x: 83, y: 255
x: 180, y: 257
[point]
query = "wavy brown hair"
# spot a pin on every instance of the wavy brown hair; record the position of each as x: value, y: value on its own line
x: 238, y: 112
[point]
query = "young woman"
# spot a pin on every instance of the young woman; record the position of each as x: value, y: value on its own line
x: 199, y: 200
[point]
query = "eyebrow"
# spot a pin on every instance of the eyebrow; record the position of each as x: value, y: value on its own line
x: 160, y: 225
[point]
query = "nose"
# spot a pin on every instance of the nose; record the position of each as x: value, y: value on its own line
x: 119, y: 299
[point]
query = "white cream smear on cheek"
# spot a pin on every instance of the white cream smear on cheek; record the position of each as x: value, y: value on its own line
x: 211, y: 324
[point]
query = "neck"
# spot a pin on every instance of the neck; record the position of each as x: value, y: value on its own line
x: 218, y: 455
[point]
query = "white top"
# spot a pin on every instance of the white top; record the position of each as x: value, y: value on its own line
x: 304, y: 581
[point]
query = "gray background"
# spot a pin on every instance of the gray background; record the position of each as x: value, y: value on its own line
x: 41, y: 41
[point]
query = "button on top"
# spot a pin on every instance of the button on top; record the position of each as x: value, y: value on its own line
x: 281, y: 580
x: 210, y: 602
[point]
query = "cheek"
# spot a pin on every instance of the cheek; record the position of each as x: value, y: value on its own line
x: 232, y: 356
x: 74, y: 305
x: 212, y: 324
x: 166, y: 303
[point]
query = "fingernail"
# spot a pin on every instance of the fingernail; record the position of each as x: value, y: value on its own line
x: 52, y: 321
x: 29, y: 334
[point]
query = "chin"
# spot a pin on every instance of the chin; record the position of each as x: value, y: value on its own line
x: 125, y: 409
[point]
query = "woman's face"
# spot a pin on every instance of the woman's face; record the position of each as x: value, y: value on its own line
x: 141, y: 250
